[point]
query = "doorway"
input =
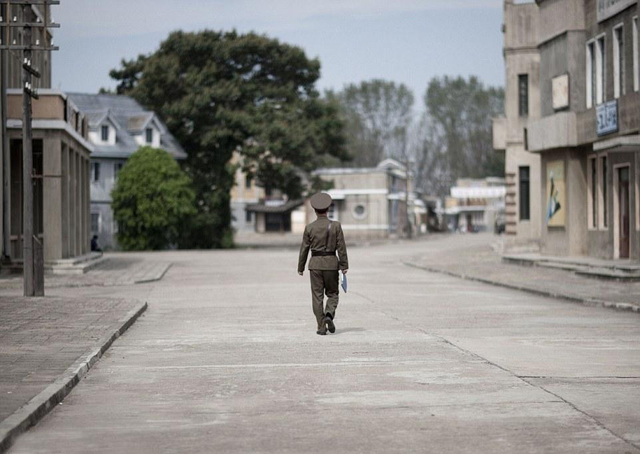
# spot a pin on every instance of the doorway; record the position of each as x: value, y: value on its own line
x: 622, y: 214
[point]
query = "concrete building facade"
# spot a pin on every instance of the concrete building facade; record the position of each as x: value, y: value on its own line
x: 117, y: 127
x: 372, y: 202
x: 587, y: 136
x: 522, y: 104
x: 61, y: 154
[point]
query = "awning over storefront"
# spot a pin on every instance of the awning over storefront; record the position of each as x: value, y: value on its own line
x: 274, y: 206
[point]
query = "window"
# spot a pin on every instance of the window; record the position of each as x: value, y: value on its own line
x: 618, y: 61
x: 117, y: 167
x: 333, y: 212
x: 523, y: 95
x: 603, y: 183
x: 359, y: 211
x: 95, y: 222
x: 95, y: 171
x: 600, y: 62
x: 591, y: 74
x: 525, y: 190
x: 593, y: 192
x: 149, y: 135
x: 247, y: 181
x: 636, y: 75
x: 248, y: 217
x: 105, y: 133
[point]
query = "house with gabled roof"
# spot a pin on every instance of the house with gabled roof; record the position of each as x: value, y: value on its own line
x: 117, y: 126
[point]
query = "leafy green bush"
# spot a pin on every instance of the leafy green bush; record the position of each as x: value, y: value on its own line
x: 152, y: 201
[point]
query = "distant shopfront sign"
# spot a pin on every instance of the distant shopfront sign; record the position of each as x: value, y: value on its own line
x: 608, y: 8
x: 607, y: 118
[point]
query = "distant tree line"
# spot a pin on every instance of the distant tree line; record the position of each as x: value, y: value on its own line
x: 451, y: 139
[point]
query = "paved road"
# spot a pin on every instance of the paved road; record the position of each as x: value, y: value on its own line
x: 226, y: 359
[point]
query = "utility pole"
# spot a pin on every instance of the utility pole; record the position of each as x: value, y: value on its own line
x: 33, y: 260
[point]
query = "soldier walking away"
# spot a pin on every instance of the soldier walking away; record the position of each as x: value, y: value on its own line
x: 323, y: 237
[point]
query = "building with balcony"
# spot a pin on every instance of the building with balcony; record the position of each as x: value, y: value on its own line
x: 522, y: 105
x: 372, y: 203
x: 587, y: 135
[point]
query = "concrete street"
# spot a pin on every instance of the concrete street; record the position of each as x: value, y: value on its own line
x: 226, y: 359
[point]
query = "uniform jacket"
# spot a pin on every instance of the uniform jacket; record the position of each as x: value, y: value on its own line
x: 315, y: 239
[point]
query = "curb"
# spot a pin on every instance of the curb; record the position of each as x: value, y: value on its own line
x: 34, y: 410
x: 155, y: 278
x: 535, y: 291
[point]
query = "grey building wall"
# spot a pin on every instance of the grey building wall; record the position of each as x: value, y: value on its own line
x: 101, y: 201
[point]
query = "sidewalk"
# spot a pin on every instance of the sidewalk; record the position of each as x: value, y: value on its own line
x: 116, y: 269
x: 473, y: 257
x: 46, y: 346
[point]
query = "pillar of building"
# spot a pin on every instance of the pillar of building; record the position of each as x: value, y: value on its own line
x: 65, y: 200
x: 78, y: 219
x: 72, y: 202
x: 53, y: 198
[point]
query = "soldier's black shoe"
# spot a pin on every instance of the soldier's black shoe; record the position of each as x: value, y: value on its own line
x: 322, y: 331
x: 329, y: 324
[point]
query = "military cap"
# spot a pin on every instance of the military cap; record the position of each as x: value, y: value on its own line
x: 321, y: 201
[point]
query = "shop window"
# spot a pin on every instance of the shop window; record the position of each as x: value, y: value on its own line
x: 604, y: 190
x: 618, y: 61
x: 636, y: 70
x: 591, y: 74
x: 95, y: 223
x: 593, y: 192
x: 523, y: 95
x: 524, y: 193
x: 95, y: 172
x: 600, y: 65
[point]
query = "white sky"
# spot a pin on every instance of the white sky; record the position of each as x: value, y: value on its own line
x: 406, y: 41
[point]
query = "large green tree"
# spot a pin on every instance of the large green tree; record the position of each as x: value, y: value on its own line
x: 152, y: 201
x: 223, y: 92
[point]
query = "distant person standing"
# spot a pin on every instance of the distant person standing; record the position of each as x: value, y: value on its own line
x: 324, y: 238
x: 95, y: 247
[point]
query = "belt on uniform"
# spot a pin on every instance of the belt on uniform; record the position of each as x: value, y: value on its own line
x: 322, y: 254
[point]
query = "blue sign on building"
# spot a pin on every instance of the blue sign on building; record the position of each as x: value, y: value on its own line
x: 607, y: 118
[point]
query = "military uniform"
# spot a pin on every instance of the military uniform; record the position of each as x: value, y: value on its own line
x: 323, y: 238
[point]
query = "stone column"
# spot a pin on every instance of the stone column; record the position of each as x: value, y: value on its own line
x: 53, y: 198
x: 65, y: 200
x: 78, y: 220
x: 72, y: 203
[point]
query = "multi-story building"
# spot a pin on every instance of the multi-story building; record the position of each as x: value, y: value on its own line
x: 372, y: 202
x: 117, y: 126
x: 475, y: 204
x: 245, y: 192
x: 522, y: 104
x: 61, y: 153
x: 587, y: 135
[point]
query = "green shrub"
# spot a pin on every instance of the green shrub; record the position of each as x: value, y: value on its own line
x: 152, y: 201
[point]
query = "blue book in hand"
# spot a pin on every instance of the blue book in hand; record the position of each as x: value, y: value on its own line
x: 343, y: 282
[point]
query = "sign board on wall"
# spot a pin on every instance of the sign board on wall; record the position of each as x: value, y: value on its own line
x: 608, y: 8
x: 560, y: 91
x: 555, y: 194
x: 607, y: 118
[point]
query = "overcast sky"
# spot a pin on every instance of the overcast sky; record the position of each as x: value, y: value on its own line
x: 407, y: 41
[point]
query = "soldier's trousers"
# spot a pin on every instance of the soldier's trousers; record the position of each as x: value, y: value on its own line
x: 324, y: 281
